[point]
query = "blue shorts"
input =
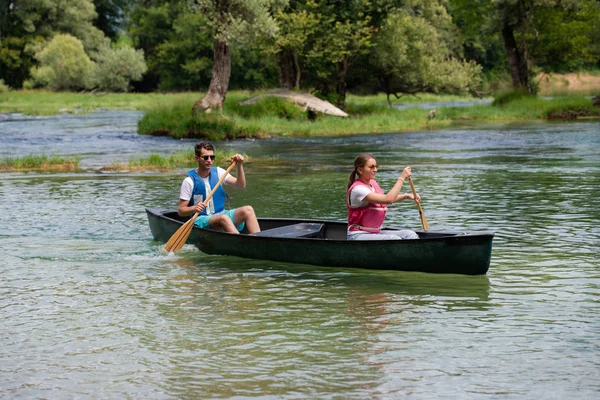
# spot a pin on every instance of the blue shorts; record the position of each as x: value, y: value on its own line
x: 203, y: 221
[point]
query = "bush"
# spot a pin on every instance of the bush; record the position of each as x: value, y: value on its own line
x: 63, y: 65
x: 511, y: 96
x: 3, y: 87
x: 116, y: 68
x: 271, y: 106
x: 178, y: 121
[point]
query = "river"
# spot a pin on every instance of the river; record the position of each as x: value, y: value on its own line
x: 91, y: 308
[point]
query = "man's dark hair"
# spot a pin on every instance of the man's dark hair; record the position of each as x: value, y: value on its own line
x: 202, y: 145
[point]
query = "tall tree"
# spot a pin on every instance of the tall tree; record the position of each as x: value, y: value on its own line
x: 25, y: 24
x: 535, y: 32
x: 344, y: 33
x: 298, y: 27
x: 111, y: 16
x: 231, y: 21
x: 411, y: 56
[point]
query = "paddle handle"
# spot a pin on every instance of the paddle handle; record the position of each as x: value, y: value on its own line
x: 421, y: 214
x: 215, y: 188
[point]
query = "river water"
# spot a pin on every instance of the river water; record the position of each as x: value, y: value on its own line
x: 91, y: 308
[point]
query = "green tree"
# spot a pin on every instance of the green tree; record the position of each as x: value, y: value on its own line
x: 63, y: 64
x: 298, y: 29
x: 231, y: 21
x: 552, y: 34
x: 480, y: 42
x: 343, y: 37
x: 112, y: 16
x: 115, y: 69
x: 26, y: 24
x: 411, y: 56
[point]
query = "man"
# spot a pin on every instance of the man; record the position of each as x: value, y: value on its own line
x: 200, y: 182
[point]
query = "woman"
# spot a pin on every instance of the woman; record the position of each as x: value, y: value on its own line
x: 367, y: 204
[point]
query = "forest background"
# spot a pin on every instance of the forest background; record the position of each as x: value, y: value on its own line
x: 330, y: 48
x: 365, y: 46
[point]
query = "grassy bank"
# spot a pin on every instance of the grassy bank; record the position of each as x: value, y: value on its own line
x: 179, y: 159
x: 273, y: 117
x: 43, y: 102
x: 169, y: 114
x: 39, y: 163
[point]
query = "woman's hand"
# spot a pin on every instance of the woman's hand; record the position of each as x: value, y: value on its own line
x: 412, y: 197
x: 407, y: 173
x: 199, y: 207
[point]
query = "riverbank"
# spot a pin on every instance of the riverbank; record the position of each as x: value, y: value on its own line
x: 273, y: 117
x: 41, y: 163
x: 169, y: 114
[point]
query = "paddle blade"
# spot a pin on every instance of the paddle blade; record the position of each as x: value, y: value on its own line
x: 423, y: 219
x: 179, y: 238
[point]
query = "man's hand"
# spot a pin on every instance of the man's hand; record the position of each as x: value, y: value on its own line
x: 238, y: 159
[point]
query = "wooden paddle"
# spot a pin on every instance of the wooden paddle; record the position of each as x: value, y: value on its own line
x: 180, y: 237
x: 423, y: 219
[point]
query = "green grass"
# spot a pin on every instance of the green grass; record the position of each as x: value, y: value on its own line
x: 39, y: 163
x: 269, y: 119
x: 170, y: 114
x: 178, y: 159
x: 521, y: 108
x: 43, y: 102
x: 381, y: 99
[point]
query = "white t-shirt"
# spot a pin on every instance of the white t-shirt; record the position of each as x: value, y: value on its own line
x: 187, y: 188
x: 358, y: 194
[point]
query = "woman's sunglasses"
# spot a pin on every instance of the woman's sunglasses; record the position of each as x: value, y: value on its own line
x: 205, y: 158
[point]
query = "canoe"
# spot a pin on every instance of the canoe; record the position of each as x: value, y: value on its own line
x: 324, y: 243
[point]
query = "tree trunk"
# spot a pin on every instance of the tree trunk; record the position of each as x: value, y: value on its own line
x: 219, y: 82
x: 286, y: 70
x: 342, y: 70
x: 517, y: 58
x: 298, y: 71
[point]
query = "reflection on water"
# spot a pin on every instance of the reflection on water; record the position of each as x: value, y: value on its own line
x: 92, y: 308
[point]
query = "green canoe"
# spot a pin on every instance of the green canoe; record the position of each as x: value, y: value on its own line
x: 321, y: 242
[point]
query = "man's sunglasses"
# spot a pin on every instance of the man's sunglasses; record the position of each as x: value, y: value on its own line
x: 205, y: 158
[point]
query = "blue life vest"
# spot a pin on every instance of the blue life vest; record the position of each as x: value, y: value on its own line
x: 200, y: 189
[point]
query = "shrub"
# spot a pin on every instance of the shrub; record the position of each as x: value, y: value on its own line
x: 63, y: 64
x: 178, y: 121
x: 3, y: 87
x: 511, y: 96
x: 116, y: 68
x: 271, y: 106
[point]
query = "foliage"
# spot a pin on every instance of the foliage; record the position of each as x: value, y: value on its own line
x: 562, y: 40
x: 178, y: 45
x: 3, y: 86
x: 39, y: 162
x: 74, y: 17
x: 116, y: 68
x: 273, y: 107
x: 343, y: 35
x: 239, y: 21
x: 413, y: 57
x: 327, y: 46
x: 177, y: 121
x: 63, y: 64
x: 511, y: 96
x: 26, y: 25
x: 111, y: 14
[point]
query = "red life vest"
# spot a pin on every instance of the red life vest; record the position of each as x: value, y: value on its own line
x: 368, y: 218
